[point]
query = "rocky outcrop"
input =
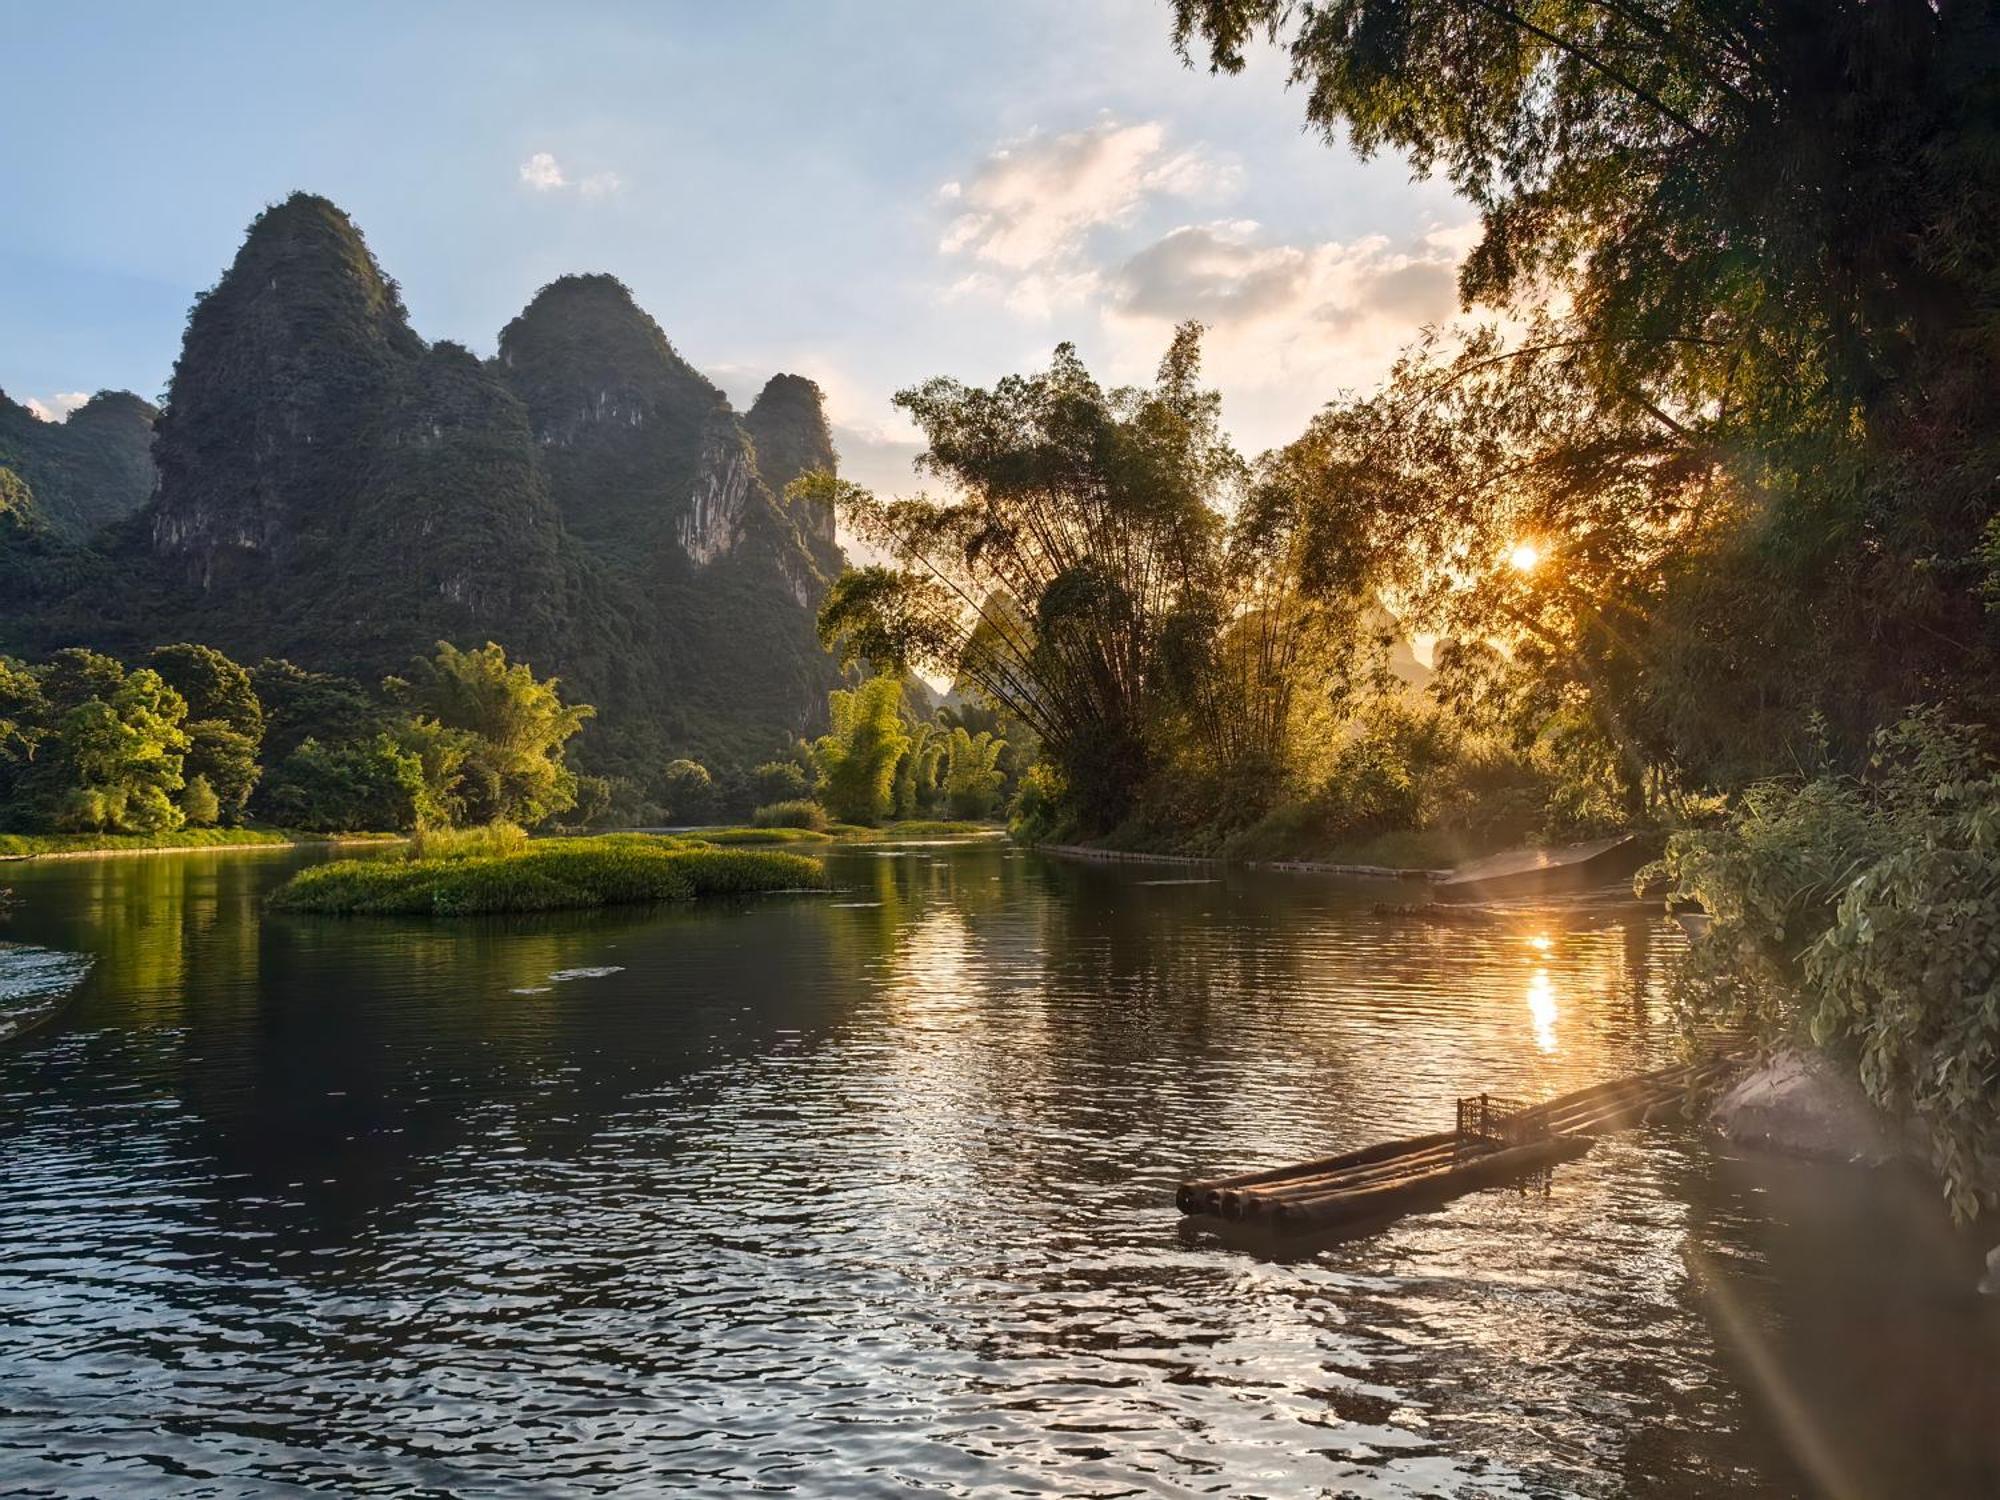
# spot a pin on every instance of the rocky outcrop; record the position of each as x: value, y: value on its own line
x: 720, y: 496
x: 1802, y: 1104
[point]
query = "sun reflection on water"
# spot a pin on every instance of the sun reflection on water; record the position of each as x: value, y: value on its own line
x: 1542, y: 1009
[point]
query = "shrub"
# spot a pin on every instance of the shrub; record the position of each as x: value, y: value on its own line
x: 799, y: 812
x: 200, y: 804
x: 1036, y: 815
x: 687, y: 791
x: 1863, y: 914
x: 780, y: 781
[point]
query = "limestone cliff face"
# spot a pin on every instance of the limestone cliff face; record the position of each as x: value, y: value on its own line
x: 720, y: 496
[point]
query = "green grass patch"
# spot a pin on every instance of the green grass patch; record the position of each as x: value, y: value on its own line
x: 546, y: 875
x: 180, y: 838
x: 774, y: 835
x: 467, y: 843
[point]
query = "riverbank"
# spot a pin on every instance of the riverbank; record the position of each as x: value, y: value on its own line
x: 564, y: 874
x: 27, y: 846
x: 1296, y: 866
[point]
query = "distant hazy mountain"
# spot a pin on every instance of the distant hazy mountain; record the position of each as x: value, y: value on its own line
x: 333, y: 489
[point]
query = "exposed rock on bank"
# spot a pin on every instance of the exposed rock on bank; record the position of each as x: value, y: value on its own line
x: 1804, y: 1105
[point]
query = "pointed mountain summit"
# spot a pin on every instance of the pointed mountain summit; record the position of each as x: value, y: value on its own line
x: 287, y: 362
x: 788, y: 424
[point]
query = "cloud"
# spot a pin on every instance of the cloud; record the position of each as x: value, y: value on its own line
x: 1224, y: 276
x: 56, y: 408
x: 542, y: 173
x: 1026, y: 213
x: 1289, y: 325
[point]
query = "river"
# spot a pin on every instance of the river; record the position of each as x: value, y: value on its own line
x: 871, y: 1193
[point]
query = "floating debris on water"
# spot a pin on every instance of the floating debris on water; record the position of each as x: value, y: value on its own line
x: 564, y: 976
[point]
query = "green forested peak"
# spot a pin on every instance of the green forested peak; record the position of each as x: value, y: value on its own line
x: 583, y: 351
x: 309, y: 237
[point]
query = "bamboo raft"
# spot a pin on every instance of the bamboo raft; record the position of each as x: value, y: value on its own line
x: 1493, y: 1141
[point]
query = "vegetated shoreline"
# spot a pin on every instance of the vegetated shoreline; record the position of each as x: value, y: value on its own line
x: 555, y: 874
x: 1418, y: 873
x: 39, y: 846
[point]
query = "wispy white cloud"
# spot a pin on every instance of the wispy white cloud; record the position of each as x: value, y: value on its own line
x: 56, y: 408
x: 542, y: 173
x: 1026, y: 214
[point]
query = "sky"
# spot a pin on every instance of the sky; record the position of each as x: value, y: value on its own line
x: 867, y: 194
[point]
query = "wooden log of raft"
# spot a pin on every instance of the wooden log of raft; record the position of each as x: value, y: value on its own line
x: 1191, y: 1191
x: 1484, y: 1170
x: 1254, y: 1203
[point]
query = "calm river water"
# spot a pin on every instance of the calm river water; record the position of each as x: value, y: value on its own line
x: 872, y: 1194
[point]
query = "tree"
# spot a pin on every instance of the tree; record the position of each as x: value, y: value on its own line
x: 1749, y: 422
x: 225, y: 722
x: 116, y: 759
x: 916, y: 785
x: 372, y: 785
x: 1086, y: 533
x: 299, y: 705
x: 23, y: 727
x: 779, y: 781
x: 687, y: 792
x: 972, y: 777
x: 858, y: 758
x: 514, y: 764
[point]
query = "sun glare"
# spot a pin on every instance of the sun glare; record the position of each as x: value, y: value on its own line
x: 1524, y: 557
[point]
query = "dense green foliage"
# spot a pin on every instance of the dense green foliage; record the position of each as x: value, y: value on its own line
x: 687, y: 792
x: 857, y: 759
x: 1862, y: 913
x: 88, y: 745
x: 546, y: 875
x: 506, y: 733
x: 76, y: 477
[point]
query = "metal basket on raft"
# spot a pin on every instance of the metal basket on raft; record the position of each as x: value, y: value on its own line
x: 1488, y: 1122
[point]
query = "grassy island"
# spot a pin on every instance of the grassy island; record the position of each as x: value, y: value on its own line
x: 545, y: 875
